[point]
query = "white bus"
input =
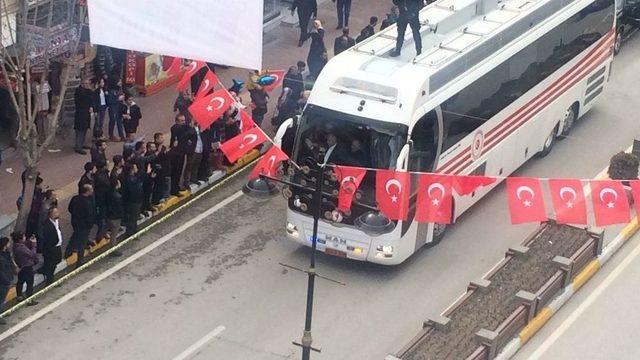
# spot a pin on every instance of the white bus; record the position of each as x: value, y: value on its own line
x: 497, y: 83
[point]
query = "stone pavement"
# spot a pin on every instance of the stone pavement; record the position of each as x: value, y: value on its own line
x: 62, y: 169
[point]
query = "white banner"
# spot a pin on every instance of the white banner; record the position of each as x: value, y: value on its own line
x: 226, y: 32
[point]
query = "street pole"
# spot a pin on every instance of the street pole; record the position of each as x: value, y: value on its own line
x: 317, y: 212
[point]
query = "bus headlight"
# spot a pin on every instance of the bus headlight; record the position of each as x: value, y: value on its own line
x: 385, y: 249
x: 292, y: 230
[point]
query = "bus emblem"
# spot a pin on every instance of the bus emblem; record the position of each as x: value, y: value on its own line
x: 478, y: 144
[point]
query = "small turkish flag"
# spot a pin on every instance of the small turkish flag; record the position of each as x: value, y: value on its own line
x: 279, y: 77
x: 434, y: 199
x: 210, y: 108
x: 465, y: 185
x: 610, y: 203
x: 239, y: 145
x: 269, y: 163
x: 568, y: 201
x: 192, y: 69
x: 350, y: 179
x: 175, y: 66
x: 246, y: 122
x: 526, y: 203
x: 392, y: 193
x: 207, y: 85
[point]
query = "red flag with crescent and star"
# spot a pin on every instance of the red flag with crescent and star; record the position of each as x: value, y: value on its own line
x: 434, y: 204
x: 192, y: 69
x: 568, y: 200
x: 465, y: 185
x: 279, y: 77
x: 526, y: 203
x: 239, y: 145
x: 246, y: 122
x: 210, y: 108
x: 392, y: 193
x: 175, y: 67
x: 207, y: 85
x: 610, y: 202
x: 269, y: 163
x: 350, y: 179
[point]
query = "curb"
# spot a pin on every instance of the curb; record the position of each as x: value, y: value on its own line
x: 587, y: 273
x: 180, y: 203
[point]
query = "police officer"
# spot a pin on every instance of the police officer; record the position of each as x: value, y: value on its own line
x: 408, y: 15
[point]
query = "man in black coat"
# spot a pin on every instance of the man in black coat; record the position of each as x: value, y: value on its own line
x: 102, y: 185
x: 306, y: 9
x: 84, y: 102
x: 88, y: 176
x: 294, y: 81
x: 83, y: 216
x: 115, y: 213
x: 179, y: 148
x: 408, y: 14
x: 51, y: 244
x: 344, y: 8
x: 133, y: 197
x: 368, y: 30
x: 343, y: 42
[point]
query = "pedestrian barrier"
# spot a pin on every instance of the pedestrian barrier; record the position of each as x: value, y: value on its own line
x: 171, y: 205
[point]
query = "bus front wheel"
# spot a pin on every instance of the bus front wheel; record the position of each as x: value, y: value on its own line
x: 548, y: 143
x: 438, y: 234
x: 569, y: 119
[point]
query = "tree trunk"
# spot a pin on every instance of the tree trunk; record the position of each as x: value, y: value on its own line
x: 27, y: 199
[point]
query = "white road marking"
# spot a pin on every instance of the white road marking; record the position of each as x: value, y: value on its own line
x: 118, y: 266
x: 588, y: 301
x: 200, y: 343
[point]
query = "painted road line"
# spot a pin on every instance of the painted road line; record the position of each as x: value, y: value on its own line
x: 200, y: 343
x: 119, y: 266
x: 588, y: 301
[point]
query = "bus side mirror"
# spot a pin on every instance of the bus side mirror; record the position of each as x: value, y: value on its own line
x: 277, y: 140
x: 401, y: 164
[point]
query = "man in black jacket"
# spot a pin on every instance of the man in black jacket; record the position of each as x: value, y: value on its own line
x: 408, y: 14
x: 179, y: 144
x: 343, y: 42
x: 115, y: 213
x: 306, y: 9
x: 344, y: 8
x: 7, y: 270
x: 88, y: 176
x: 83, y: 215
x: 368, y: 30
x: 133, y: 197
x: 101, y: 184
x: 84, y: 102
x: 51, y: 244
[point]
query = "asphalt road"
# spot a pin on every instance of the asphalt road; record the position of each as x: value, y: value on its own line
x: 219, y: 280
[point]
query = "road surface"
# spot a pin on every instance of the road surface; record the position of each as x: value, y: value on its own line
x: 215, y: 290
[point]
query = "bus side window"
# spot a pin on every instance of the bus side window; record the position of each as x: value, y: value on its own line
x: 425, y: 143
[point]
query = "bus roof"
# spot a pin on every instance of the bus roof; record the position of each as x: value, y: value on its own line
x: 456, y: 36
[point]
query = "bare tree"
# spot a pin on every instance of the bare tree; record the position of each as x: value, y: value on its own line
x: 16, y: 61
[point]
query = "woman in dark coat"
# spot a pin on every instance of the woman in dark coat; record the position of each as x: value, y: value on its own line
x: 84, y: 102
x: 317, y: 57
x: 131, y: 117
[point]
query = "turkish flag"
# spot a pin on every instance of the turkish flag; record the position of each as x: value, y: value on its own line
x: 246, y: 122
x: 174, y: 67
x: 434, y: 203
x: 192, y: 69
x: 241, y: 144
x: 279, y: 77
x: 207, y: 85
x: 210, y: 108
x: 610, y: 203
x: 568, y: 200
x: 392, y: 193
x: 269, y: 163
x: 526, y: 203
x: 465, y: 185
x: 350, y: 179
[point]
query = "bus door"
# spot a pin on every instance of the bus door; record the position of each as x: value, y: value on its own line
x: 426, y: 146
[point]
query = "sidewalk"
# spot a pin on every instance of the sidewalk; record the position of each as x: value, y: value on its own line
x: 61, y: 170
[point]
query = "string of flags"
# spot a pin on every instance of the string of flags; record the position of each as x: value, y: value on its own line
x: 434, y: 195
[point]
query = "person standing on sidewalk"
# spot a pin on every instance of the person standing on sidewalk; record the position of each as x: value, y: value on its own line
x: 306, y: 10
x: 82, y: 208
x: 115, y: 213
x: 344, y: 8
x: 7, y: 270
x: 102, y: 184
x: 51, y: 244
x: 100, y: 108
x: 294, y: 81
x: 114, y: 89
x: 131, y: 116
x: 317, y: 57
x: 88, y: 176
x: 343, y: 42
x: 133, y: 196
x: 408, y: 15
x: 259, y: 101
x: 179, y: 147
x: 98, y: 152
x: 25, y: 257
x: 84, y: 102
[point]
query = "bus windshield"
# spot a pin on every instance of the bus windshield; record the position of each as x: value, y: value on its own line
x: 336, y: 138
